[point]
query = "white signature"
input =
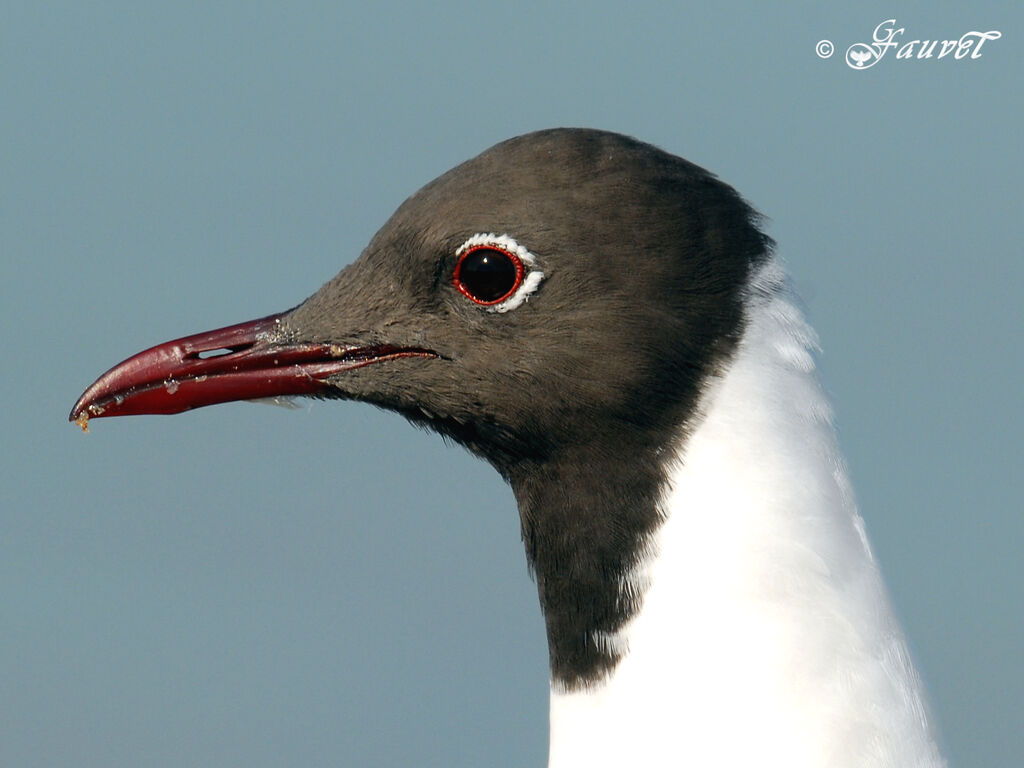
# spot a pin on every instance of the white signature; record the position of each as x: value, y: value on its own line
x: 887, y: 35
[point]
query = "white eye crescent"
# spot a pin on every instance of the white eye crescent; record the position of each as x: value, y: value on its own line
x: 496, y: 272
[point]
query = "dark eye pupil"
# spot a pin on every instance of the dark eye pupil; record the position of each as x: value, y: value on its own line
x: 488, y: 275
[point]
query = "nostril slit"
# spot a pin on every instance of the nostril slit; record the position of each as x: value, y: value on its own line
x: 208, y: 353
x: 213, y: 353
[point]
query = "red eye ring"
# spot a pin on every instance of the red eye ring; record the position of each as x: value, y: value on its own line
x: 488, y: 281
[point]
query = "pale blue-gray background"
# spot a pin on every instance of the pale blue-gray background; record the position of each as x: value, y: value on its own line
x: 250, y: 586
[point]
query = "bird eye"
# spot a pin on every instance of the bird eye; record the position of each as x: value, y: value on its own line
x: 488, y: 275
x: 496, y: 272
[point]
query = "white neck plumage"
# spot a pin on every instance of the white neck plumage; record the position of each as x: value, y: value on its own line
x: 765, y: 637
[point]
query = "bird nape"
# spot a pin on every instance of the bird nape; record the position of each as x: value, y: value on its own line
x: 606, y: 324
